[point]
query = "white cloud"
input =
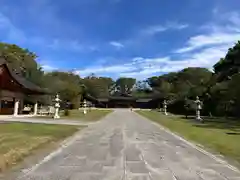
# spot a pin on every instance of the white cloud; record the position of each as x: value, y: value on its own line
x: 48, y: 68
x: 152, y: 30
x: 145, y: 33
x: 112, y: 69
x: 202, y: 50
x: 142, y: 68
x: 116, y: 44
x: 200, y: 41
x: 47, y: 64
x: 217, y: 34
x: 74, y: 45
x: 176, y: 25
x: 70, y: 45
x: 138, y: 67
x: 205, y: 49
x: 203, y: 58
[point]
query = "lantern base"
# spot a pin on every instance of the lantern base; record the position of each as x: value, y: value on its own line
x: 56, y: 116
x: 199, y: 119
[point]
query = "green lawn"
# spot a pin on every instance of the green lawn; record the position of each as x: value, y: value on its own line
x: 92, y: 115
x: 220, y: 135
x: 17, y: 140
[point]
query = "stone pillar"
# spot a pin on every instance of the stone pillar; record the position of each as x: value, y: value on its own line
x: 84, y: 106
x: 57, y: 106
x: 165, y: 107
x: 35, y: 109
x: 16, y: 107
x: 198, y: 108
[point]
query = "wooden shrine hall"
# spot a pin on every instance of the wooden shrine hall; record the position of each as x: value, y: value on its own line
x: 129, y: 102
x: 153, y: 101
x: 14, y: 89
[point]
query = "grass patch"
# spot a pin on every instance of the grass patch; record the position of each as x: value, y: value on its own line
x: 18, y: 140
x: 92, y: 115
x: 218, y: 134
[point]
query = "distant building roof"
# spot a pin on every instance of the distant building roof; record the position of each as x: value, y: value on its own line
x: 21, y: 80
x: 116, y: 98
x: 143, y: 100
x: 103, y: 99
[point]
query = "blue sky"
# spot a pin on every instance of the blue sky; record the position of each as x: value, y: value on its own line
x: 131, y: 38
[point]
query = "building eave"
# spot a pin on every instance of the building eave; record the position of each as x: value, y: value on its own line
x: 24, y: 83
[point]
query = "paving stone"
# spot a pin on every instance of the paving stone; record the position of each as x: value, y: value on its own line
x: 165, y: 175
x: 86, y: 176
x: 73, y: 161
x: 140, y: 177
x: 109, y: 162
x: 132, y: 153
x: 125, y: 146
x: 211, y: 175
x: 100, y: 155
x: 137, y: 167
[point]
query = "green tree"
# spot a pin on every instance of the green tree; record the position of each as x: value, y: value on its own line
x: 141, y: 89
x: 125, y: 85
x: 189, y: 82
x: 226, y: 67
x: 98, y: 86
x: 66, y: 84
x: 23, y: 62
x: 189, y: 106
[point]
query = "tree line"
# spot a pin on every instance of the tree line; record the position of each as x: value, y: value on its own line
x: 70, y: 86
x: 218, y: 89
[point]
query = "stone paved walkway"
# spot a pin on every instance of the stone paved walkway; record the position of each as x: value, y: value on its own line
x: 125, y: 146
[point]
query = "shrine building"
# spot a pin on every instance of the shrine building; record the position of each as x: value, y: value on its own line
x: 14, y: 89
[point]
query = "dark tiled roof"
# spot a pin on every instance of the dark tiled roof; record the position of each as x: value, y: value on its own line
x: 148, y: 98
x: 103, y: 99
x: 93, y: 99
x: 116, y: 98
x: 122, y: 98
x: 143, y: 100
x: 22, y: 81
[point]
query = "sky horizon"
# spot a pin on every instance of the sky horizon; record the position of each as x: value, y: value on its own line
x: 122, y: 38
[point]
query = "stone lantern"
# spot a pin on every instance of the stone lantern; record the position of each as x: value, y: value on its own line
x: 198, y: 109
x: 57, y: 106
x: 165, y: 107
x: 84, y: 106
